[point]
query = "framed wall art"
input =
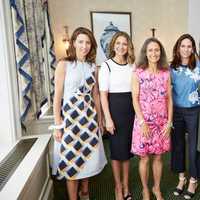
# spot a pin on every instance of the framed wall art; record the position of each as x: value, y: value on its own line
x: 104, y: 25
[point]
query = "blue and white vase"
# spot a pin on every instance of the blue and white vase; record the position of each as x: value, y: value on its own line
x: 106, y: 37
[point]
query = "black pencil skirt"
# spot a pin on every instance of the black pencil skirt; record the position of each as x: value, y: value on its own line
x: 122, y: 113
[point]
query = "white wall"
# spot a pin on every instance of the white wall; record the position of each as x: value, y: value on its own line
x: 9, y: 109
x: 168, y: 17
x: 194, y: 20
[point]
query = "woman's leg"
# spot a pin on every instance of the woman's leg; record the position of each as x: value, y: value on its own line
x: 192, y: 185
x: 125, y: 173
x: 157, y: 173
x: 116, y: 168
x: 84, y: 187
x: 191, y: 119
x: 178, y: 149
x: 180, y: 187
x: 144, y: 175
x: 72, y: 186
x: 178, y: 142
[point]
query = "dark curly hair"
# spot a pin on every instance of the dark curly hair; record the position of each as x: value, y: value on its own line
x: 143, y: 61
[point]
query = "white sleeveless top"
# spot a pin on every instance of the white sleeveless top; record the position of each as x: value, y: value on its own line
x: 76, y: 73
x: 114, y: 77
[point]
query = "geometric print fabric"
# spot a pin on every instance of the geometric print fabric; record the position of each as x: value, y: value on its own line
x: 80, y: 138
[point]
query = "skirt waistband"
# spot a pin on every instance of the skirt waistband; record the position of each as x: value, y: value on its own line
x: 116, y: 94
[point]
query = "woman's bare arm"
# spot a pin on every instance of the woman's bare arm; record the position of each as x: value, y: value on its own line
x: 136, y: 105
x: 96, y: 97
x: 59, y: 85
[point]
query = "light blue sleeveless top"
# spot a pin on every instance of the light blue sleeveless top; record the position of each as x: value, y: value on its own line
x: 186, y: 86
x: 76, y: 73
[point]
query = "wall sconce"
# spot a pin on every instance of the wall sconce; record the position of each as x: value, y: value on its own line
x: 66, y: 38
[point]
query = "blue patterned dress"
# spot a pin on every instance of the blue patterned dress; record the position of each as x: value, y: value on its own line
x: 81, y: 150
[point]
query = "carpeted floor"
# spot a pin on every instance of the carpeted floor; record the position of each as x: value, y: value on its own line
x: 102, y: 186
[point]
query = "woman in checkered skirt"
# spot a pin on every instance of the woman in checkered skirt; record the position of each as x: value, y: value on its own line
x: 81, y: 152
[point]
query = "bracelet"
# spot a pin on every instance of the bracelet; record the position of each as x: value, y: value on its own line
x: 170, y: 125
x: 57, y: 127
x: 141, y: 122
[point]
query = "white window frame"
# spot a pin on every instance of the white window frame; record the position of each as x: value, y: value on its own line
x: 10, y: 126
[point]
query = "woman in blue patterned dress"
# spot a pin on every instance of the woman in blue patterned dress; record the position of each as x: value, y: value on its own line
x: 185, y: 72
x: 81, y: 150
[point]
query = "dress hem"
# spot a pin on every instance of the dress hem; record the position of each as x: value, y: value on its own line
x: 149, y: 153
x: 60, y: 177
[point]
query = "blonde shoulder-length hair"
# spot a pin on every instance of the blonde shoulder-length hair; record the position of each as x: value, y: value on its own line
x: 130, y: 56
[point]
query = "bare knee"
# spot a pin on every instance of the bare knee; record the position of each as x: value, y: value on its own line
x: 144, y: 159
x: 157, y: 158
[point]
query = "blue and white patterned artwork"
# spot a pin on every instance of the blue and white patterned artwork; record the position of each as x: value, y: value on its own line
x: 104, y: 26
x: 106, y: 37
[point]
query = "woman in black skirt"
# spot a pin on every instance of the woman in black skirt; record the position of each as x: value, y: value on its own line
x: 115, y: 92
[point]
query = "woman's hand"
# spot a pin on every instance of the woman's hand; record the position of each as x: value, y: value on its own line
x: 110, y: 127
x: 145, y: 129
x: 57, y: 135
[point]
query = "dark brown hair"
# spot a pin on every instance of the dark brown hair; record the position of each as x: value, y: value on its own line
x: 143, y: 61
x: 71, y: 52
x: 176, y: 61
x: 130, y: 57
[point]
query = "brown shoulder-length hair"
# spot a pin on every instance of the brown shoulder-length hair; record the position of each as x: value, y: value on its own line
x: 71, y: 52
x: 176, y: 60
x: 130, y: 57
x: 143, y: 61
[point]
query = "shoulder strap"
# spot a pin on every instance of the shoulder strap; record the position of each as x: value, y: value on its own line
x: 108, y: 66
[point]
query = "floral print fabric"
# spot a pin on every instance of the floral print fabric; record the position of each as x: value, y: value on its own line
x: 186, y: 84
x: 153, y: 104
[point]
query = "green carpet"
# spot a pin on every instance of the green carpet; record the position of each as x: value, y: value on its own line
x: 102, y: 186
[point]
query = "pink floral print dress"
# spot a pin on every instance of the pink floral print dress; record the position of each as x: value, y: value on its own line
x: 153, y: 104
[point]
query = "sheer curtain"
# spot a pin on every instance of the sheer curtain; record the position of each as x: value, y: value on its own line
x: 35, y: 59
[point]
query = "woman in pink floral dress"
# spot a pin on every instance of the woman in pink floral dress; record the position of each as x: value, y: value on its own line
x: 153, y: 106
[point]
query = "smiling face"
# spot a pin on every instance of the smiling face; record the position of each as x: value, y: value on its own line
x: 153, y: 52
x: 185, y: 49
x: 82, y: 45
x: 121, y: 46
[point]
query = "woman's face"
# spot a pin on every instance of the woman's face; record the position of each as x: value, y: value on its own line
x: 153, y: 52
x: 185, y: 49
x: 82, y: 44
x: 121, y: 46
